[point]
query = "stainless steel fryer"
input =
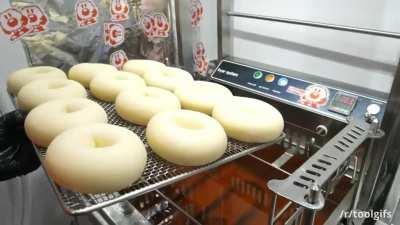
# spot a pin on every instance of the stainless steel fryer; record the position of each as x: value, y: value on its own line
x: 332, y: 158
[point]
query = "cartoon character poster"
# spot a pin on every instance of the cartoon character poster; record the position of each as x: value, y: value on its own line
x: 14, y: 24
x: 197, y: 12
x: 86, y: 13
x: 118, y: 59
x: 155, y: 26
x: 114, y: 34
x: 37, y: 19
x: 200, y: 58
x: 119, y: 10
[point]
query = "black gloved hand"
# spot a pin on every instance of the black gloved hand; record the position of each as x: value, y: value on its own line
x: 17, y: 156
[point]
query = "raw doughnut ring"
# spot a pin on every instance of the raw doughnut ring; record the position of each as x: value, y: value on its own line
x: 249, y: 120
x: 21, y: 77
x: 170, y: 78
x: 85, y: 72
x: 107, y: 87
x: 202, y: 96
x: 139, y: 106
x: 61, y: 114
x: 44, y: 90
x: 96, y: 158
x: 186, y: 137
x: 141, y: 66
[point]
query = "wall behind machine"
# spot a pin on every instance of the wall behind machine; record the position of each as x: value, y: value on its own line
x: 363, y: 60
x: 13, y: 57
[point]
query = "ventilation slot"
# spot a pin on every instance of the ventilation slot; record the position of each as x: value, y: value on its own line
x: 324, y: 162
x: 313, y: 173
x: 318, y: 167
x: 348, y: 139
x: 330, y: 157
x: 307, y: 179
x: 352, y: 136
x: 359, y: 128
x: 339, y: 148
x: 356, y: 132
x: 344, y: 144
x: 298, y: 184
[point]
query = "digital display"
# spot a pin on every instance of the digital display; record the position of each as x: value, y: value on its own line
x: 343, y: 103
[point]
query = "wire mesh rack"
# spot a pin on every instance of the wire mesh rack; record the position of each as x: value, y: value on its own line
x: 158, y: 172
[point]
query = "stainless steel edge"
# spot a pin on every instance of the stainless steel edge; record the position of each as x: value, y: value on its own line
x: 358, y: 30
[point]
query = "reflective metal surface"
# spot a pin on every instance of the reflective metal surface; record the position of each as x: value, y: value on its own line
x: 316, y: 24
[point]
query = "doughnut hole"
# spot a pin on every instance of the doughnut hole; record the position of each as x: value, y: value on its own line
x: 73, y: 107
x: 187, y: 122
x: 103, y: 141
x: 43, y: 70
x: 56, y: 84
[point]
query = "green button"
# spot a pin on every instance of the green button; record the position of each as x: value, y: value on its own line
x: 257, y: 75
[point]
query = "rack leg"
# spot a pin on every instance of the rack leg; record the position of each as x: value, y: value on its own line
x: 273, y: 208
x: 308, y: 217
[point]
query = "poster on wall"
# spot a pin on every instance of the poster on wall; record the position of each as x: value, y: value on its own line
x: 26, y: 21
x: 119, y: 10
x: 155, y: 25
x: 200, y: 59
x: 86, y: 13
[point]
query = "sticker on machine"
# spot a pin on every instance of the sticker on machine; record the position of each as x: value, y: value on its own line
x: 14, y: 24
x: 119, y: 10
x: 118, y: 59
x: 86, y: 13
x: 37, y: 19
x: 315, y: 96
x: 200, y: 59
x: 295, y: 91
x: 197, y: 12
x: 114, y: 34
x: 155, y: 26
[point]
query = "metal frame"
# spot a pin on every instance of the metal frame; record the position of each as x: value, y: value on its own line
x: 379, y: 164
x: 381, y: 190
x: 158, y: 173
x: 358, y: 30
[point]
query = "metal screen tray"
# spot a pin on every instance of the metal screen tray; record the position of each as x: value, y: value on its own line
x: 158, y: 172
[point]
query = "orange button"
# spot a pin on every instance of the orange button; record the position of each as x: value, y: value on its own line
x: 269, y: 78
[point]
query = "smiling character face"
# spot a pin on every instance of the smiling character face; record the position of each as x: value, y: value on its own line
x: 315, y: 96
x: 12, y: 20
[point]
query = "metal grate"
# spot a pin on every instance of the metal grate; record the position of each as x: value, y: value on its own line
x: 322, y: 165
x: 158, y: 173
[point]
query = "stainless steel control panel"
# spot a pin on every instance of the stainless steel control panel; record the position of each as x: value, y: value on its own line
x: 328, y: 101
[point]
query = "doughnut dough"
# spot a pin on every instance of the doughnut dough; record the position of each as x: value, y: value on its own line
x: 186, y: 137
x: 249, y: 120
x: 61, y: 114
x: 24, y: 76
x: 170, y: 78
x: 141, y: 66
x: 107, y: 87
x: 96, y: 158
x: 139, y: 106
x: 85, y: 72
x: 202, y: 95
x: 41, y: 91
